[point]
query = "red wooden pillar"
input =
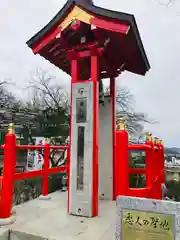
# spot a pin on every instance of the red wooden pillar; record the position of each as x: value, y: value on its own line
x: 122, y: 161
x: 95, y: 171
x: 8, y: 174
x: 72, y: 55
x: 93, y: 53
x: 74, y: 70
x: 113, y: 97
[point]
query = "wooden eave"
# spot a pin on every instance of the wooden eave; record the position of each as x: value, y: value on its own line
x: 124, y: 49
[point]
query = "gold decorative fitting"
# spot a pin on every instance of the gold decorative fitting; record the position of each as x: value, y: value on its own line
x: 121, y: 124
x: 156, y: 140
x: 149, y: 137
x: 161, y: 141
x: 47, y: 140
x: 11, y: 128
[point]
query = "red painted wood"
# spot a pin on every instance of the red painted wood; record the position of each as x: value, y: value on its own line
x: 88, y: 53
x: 68, y: 173
x: 60, y: 147
x: 140, y: 147
x: 84, y: 54
x: 24, y: 175
x: 157, y: 172
x: 46, y: 39
x: 57, y: 169
x: 138, y: 192
x: 40, y: 147
x: 137, y: 171
x: 38, y: 173
x: 113, y: 97
x: 45, y: 189
x: 110, y: 25
x: 70, y: 136
x: 74, y: 70
x: 8, y: 175
x: 80, y: 48
x: 74, y: 79
x: 149, y: 165
x: 95, y: 171
x: 163, y: 178
x: 122, y: 163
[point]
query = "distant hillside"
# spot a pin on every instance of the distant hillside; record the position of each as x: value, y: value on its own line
x: 172, y: 150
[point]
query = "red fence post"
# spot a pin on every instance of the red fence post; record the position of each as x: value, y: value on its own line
x: 45, y: 189
x: 157, y: 193
x: 163, y: 177
x: 8, y: 173
x: 122, y: 160
x: 150, y: 164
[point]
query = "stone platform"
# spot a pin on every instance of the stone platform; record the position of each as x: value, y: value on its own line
x: 48, y: 219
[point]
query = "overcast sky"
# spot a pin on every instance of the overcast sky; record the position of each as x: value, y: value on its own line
x: 157, y: 94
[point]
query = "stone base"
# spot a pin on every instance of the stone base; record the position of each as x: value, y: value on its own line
x: 41, y: 197
x: 7, y: 221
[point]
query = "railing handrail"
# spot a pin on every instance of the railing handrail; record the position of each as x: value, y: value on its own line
x: 9, y: 176
x: 154, y: 158
x: 38, y: 147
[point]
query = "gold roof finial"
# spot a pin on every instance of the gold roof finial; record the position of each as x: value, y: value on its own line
x: 121, y: 124
x: 11, y: 128
x: 149, y: 137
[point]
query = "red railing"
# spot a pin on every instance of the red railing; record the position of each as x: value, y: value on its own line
x: 154, y: 167
x: 9, y: 175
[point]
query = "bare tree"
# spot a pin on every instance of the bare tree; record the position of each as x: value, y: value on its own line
x: 50, y: 105
x: 51, y: 98
x: 47, y: 93
x: 7, y: 99
x: 166, y: 2
x: 134, y: 120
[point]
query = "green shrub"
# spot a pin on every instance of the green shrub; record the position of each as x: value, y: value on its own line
x: 29, y: 189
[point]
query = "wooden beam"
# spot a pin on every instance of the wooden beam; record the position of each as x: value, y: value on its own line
x: 111, y: 66
x: 46, y: 40
x: 110, y: 25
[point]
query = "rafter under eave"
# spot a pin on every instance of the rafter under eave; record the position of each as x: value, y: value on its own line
x: 81, y: 15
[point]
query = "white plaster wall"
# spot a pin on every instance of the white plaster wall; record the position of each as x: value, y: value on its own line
x: 105, y: 150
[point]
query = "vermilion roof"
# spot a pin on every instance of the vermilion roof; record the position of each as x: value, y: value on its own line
x: 128, y: 49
